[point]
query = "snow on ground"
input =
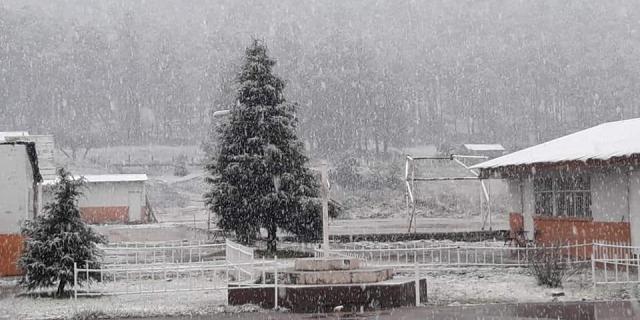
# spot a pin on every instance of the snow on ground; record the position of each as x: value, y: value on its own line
x: 445, y: 287
x: 514, y: 285
x: 158, y: 304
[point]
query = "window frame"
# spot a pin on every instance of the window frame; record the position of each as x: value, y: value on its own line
x: 561, y: 195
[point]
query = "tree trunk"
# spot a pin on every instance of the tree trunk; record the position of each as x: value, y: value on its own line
x: 271, y: 238
x: 61, y: 286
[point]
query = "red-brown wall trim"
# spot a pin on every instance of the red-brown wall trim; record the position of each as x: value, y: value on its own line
x: 567, y: 230
x: 101, y: 215
x: 105, y: 214
x: 11, y: 246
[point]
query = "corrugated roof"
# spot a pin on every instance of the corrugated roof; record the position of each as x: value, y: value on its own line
x: 602, y: 142
x: 484, y: 147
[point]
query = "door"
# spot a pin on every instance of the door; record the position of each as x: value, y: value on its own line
x: 634, y: 207
x: 135, y: 206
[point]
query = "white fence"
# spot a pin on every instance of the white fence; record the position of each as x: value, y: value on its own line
x: 453, y: 254
x: 615, y: 263
x: 242, y: 258
x: 162, y: 252
x: 163, y: 278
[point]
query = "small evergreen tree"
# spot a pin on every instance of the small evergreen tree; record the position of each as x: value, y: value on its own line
x: 259, y: 176
x: 58, y: 238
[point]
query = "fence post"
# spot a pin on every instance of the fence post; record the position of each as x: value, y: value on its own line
x: 75, y: 280
x: 638, y: 266
x: 417, y: 284
x: 275, y: 282
x: 605, y: 262
x: 627, y: 262
x: 593, y: 269
x: 264, y: 278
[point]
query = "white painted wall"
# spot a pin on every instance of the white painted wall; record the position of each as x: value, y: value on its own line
x: 109, y: 194
x: 614, y: 194
x: 16, y: 188
x: 634, y: 206
x: 609, y: 196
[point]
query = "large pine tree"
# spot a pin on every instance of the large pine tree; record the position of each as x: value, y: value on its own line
x: 58, y: 238
x: 259, y: 177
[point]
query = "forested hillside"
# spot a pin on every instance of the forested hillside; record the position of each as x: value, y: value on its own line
x: 367, y: 74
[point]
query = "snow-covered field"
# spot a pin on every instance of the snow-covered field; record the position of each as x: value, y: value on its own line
x: 130, y: 305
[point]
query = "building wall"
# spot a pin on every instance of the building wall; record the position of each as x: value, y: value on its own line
x: 609, y: 193
x: 10, y: 251
x: 16, y: 204
x: 634, y: 206
x: 528, y: 205
x: 108, y: 202
x: 16, y: 188
x: 615, y: 198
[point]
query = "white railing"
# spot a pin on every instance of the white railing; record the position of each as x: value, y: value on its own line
x: 443, y: 254
x: 615, y: 263
x: 162, y: 252
x: 160, y: 278
x: 242, y: 258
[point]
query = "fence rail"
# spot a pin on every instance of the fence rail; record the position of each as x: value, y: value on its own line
x: 238, y: 256
x: 133, y: 268
x: 615, y: 263
x: 162, y: 252
x: 455, y: 254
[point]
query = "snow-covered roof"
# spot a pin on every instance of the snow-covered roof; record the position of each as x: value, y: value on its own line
x: 107, y: 178
x: 483, y: 147
x: 4, y: 135
x: 115, y: 177
x: 602, y: 142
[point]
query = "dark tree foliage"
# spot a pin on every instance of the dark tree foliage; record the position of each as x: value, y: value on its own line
x: 260, y: 177
x: 58, y: 238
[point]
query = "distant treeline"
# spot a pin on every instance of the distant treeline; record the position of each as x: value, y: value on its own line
x: 368, y: 75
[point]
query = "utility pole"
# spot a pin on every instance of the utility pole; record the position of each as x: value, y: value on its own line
x: 325, y: 208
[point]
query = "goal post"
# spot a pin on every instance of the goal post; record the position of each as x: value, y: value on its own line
x: 472, y: 175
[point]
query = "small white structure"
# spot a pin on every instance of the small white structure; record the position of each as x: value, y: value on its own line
x: 582, y: 187
x: 19, y: 178
x: 114, y: 198
x: 45, y: 146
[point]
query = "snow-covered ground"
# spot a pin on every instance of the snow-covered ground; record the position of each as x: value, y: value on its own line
x: 445, y: 287
x: 511, y: 285
x: 130, y: 305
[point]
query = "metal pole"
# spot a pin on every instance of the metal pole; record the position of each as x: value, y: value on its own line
x: 75, y: 280
x: 325, y: 209
x: 275, y: 282
x: 417, y: 284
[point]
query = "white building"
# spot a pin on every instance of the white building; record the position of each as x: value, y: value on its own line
x: 582, y: 187
x: 19, y: 178
x: 113, y: 198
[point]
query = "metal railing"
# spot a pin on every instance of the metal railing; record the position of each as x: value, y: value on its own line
x: 457, y: 255
x: 238, y: 255
x: 159, y: 278
x: 615, y: 263
x: 161, y: 252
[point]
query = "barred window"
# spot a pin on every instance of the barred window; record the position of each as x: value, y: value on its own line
x: 568, y: 196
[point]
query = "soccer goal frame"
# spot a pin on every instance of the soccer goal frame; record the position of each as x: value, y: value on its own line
x: 411, y: 179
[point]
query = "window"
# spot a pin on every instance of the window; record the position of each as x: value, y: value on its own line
x: 561, y: 195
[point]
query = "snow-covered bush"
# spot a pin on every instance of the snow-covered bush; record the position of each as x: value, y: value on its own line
x: 548, y: 265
